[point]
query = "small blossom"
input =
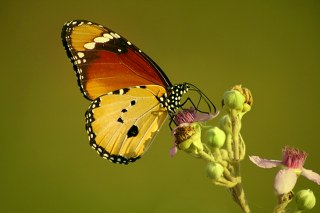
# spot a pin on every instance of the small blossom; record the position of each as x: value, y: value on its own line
x: 191, y: 115
x: 185, y: 116
x: 183, y: 132
x: 187, y: 134
x: 291, y: 167
x: 188, y: 138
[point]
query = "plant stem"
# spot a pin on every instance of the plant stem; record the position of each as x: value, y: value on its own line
x: 237, y: 191
x: 283, y: 201
x: 236, y: 126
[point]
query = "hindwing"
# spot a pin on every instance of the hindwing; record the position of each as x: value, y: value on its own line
x: 122, y: 124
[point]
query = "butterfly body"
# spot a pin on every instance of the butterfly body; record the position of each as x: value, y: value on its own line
x: 130, y: 95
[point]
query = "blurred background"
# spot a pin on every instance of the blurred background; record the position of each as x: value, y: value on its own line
x: 272, y: 47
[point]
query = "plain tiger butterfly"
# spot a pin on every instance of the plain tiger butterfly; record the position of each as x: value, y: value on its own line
x: 130, y: 95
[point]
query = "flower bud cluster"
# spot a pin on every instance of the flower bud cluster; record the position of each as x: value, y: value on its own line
x: 236, y: 102
x: 220, y: 145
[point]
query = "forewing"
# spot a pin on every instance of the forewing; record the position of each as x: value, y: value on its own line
x: 104, y: 61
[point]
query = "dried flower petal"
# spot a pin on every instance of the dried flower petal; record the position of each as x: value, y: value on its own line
x: 183, y: 133
x: 245, y: 92
x: 173, y: 151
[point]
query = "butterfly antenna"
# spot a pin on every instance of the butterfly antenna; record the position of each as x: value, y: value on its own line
x: 202, y: 96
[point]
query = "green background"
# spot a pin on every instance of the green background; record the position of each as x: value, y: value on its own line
x: 269, y: 46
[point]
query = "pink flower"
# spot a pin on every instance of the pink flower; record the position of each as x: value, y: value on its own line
x: 291, y: 167
x: 191, y: 115
x: 184, y: 130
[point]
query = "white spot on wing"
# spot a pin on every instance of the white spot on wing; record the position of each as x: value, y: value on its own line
x: 107, y: 35
x: 80, y: 54
x: 90, y: 45
x: 101, y: 39
x: 115, y: 35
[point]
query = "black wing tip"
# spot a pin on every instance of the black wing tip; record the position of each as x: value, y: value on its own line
x: 72, y: 23
x: 65, y: 37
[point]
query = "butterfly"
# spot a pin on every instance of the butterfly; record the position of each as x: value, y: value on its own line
x: 130, y: 95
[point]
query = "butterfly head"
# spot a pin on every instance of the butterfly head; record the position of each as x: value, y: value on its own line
x: 171, y: 99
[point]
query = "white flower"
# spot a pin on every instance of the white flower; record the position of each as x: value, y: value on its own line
x: 292, y: 166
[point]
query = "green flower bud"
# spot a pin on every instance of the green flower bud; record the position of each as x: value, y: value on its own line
x: 215, y: 137
x: 305, y: 199
x: 245, y: 92
x: 225, y: 124
x: 233, y: 99
x: 214, y: 170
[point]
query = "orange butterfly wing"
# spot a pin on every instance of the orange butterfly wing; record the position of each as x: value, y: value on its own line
x: 104, y: 61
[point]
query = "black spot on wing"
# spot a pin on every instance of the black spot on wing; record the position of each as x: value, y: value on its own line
x: 121, y: 91
x: 120, y: 120
x: 133, y: 131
